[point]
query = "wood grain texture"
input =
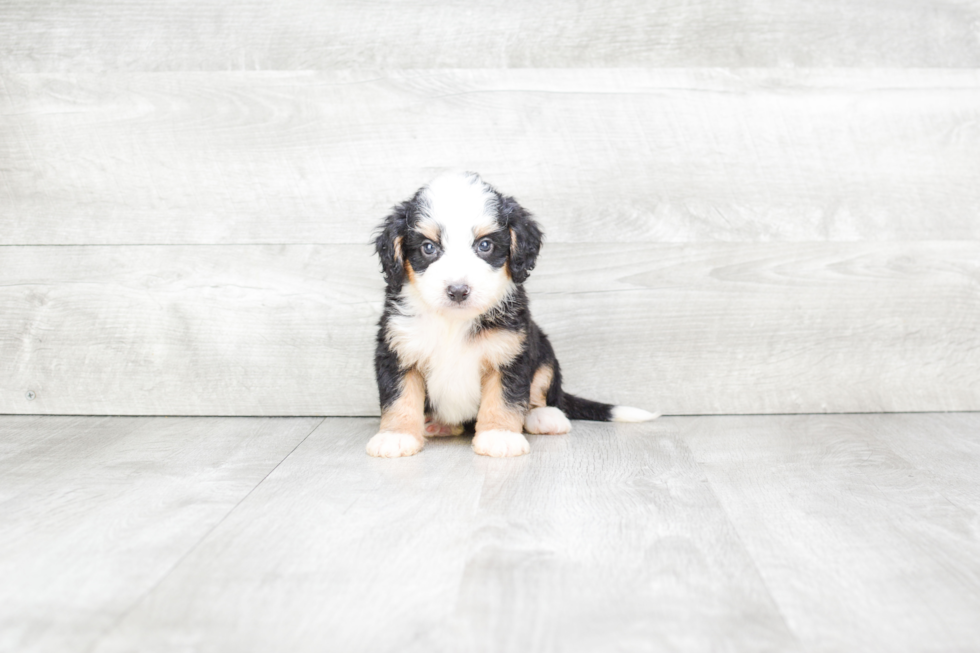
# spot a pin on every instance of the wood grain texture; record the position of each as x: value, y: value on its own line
x: 860, y: 549
x: 256, y: 330
x: 753, y: 533
x: 607, y: 539
x: 681, y: 329
x: 598, y: 155
x: 94, y: 512
x: 335, y: 551
x: 214, y: 35
x: 945, y: 449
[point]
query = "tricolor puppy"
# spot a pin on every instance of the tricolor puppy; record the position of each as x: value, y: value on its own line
x: 456, y: 342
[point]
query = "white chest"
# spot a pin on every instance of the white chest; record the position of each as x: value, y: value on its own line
x: 451, y: 360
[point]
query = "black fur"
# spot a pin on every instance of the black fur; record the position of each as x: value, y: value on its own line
x: 388, y: 244
x: 526, y: 239
x: 386, y: 368
x: 412, y: 250
x: 500, y: 252
x: 537, y: 351
x: 578, y: 408
x: 516, y: 244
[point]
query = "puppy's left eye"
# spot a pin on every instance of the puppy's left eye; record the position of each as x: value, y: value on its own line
x: 485, y: 246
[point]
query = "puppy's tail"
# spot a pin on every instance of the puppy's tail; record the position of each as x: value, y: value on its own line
x: 578, y: 408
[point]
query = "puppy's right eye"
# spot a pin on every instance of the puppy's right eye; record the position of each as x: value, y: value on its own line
x: 429, y: 248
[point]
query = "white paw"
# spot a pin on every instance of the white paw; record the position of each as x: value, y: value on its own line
x: 434, y: 429
x: 547, y: 420
x: 500, y: 444
x: 392, y: 444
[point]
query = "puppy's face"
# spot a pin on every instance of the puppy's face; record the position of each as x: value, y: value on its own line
x: 459, y: 243
x: 457, y: 249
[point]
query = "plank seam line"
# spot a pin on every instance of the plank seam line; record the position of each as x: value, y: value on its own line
x: 965, y: 411
x: 822, y: 413
x: 748, y: 553
x: 632, y: 243
x: 192, y: 548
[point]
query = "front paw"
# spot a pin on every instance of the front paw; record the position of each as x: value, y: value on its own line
x: 500, y: 444
x: 392, y: 444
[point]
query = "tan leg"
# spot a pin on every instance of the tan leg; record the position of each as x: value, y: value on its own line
x: 403, y: 422
x: 498, y: 424
x: 540, y: 384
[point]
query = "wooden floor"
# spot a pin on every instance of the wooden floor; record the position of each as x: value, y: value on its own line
x: 776, y: 533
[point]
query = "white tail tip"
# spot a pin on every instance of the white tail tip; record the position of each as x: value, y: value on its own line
x: 628, y: 414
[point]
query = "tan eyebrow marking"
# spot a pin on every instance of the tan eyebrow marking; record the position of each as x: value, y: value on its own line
x: 481, y: 230
x: 430, y: 230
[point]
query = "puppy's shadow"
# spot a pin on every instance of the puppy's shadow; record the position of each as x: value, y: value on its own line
x: 449, y: 441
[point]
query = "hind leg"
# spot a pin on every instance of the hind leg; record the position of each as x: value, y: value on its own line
x: 546, y: 420
x: 543, y: 419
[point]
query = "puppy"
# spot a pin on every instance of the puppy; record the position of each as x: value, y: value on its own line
x: 456, y: 342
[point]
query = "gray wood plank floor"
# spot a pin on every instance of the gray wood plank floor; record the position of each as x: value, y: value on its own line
x: 764, y: 533
x: 95, y: 511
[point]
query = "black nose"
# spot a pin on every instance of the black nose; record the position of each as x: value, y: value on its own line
x: 458, y: 293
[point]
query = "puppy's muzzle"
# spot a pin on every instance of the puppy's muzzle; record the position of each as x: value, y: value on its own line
x: 458, y: 293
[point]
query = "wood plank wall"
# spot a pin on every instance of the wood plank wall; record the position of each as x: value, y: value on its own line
x: 751, y: 207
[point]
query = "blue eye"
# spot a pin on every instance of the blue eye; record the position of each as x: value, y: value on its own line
x: 485, y: 245
x: 428, y: 248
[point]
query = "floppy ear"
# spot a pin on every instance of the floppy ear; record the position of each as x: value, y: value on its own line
x: 388, y: 245
x: 525, y: 239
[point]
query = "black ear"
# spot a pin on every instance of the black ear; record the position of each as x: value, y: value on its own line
x: 388, y: 245
x: 525, y: 238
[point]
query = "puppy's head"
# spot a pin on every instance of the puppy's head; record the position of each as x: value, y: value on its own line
x: 460, y: 244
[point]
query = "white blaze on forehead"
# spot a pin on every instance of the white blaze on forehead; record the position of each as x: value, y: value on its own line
x: 454, y: 209
x: 459, y: 206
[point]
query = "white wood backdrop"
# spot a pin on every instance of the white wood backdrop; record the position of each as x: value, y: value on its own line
x: 607, y: 155
x: 187, y: 192
x: 55, y: 35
